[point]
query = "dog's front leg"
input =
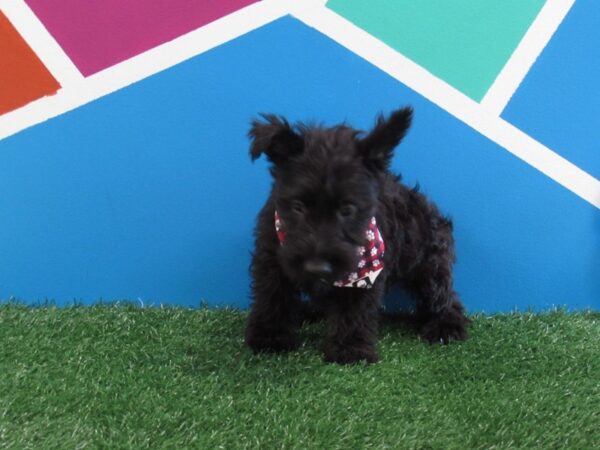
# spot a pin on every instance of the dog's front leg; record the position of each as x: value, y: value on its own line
x: 275, y: 314
x: 352, y: 316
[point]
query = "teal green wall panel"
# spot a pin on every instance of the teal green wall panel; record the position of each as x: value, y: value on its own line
x: 464, y: 42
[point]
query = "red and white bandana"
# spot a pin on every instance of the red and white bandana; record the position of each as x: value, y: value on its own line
x: 370, y: 263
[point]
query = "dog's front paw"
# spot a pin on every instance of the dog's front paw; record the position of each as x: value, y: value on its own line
x: 350, y: 355
x: 447, y: 326
x: 271, y: 342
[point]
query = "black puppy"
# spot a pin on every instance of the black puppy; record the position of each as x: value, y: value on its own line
x: 341, y: 228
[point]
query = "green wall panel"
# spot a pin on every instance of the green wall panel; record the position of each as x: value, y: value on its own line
x: 464, y: 42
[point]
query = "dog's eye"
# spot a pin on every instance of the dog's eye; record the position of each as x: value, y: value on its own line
x: 297, y: 206
x: 347, y: 210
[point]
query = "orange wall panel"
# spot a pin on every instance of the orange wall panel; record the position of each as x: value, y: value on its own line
x: 23, y: 77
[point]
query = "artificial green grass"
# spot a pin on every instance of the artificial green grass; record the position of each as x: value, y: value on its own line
x: 124, y: 377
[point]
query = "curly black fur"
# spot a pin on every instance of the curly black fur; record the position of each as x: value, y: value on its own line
x: 328, y: 183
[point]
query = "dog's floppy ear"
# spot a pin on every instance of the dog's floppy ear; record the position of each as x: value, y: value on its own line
x: 378, y: 146
x: 274, y: 137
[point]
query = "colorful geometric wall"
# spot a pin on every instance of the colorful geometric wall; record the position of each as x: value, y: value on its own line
x: 124, y: 171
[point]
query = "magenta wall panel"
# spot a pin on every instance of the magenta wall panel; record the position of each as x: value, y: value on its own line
x: 99, y: 33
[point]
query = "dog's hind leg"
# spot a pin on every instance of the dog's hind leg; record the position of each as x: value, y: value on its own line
x: 440, y: 313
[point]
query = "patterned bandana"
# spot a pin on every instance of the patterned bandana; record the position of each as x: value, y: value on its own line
x: 370, y: 264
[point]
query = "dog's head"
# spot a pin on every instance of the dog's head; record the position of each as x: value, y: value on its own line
x: 326, y: 186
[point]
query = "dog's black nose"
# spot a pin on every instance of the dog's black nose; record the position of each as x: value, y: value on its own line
x: 318, y: 267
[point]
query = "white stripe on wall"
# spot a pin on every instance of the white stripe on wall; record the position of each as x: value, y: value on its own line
x: 531, y: 46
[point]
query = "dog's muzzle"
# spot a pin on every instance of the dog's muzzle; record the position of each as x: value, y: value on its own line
x: 370, y: 263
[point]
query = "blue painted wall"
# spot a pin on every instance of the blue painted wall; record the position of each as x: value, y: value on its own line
x: 149, y: 194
